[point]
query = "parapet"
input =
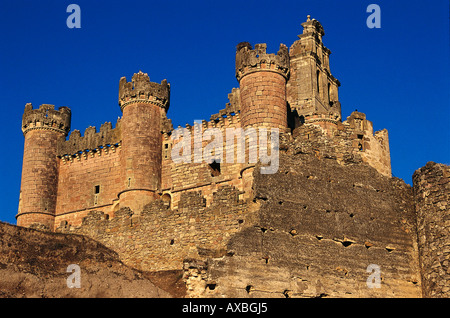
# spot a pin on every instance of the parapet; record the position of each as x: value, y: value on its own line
x: 249, y: 60
x: 141, y: 90
x: 92, y: 140
x: 46, y: 117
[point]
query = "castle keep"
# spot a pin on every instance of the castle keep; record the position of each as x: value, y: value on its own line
x: 331, y: 209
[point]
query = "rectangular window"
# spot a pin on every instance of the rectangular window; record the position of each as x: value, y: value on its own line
x: 97, y: 189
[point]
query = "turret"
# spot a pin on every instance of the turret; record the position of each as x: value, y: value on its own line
x: 144, y: 105
x: 262, y: 79
x: 311, y: 90
x: 42, y: 129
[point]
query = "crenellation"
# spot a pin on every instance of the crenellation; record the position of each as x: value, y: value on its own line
x: 249, y: 60
x: 232, y: 107
x: 91, y: 141
x: 140, y: 89
x: 46, y: 117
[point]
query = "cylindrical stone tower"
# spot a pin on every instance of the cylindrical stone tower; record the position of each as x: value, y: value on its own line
x: 143, y: 104
x: 42, y: 128
x: 262, y: 80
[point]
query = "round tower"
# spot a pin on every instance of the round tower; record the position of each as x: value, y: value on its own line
x: 144, y: 104
x: 262, y: 79
x: 43, y: 128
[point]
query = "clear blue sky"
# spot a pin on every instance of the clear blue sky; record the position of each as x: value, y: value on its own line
x: 398, y: 75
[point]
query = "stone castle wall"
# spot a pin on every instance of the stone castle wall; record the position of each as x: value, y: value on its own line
x: 198, y: 174
x: 352, y: 139
x: 161, y: 237
x: 319, y: 238
x: 86, y: 183
x: 432, y: 197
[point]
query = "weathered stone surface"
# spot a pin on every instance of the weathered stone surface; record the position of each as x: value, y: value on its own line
x: 432, y: 194
x: 318, y: 238
x: 160, y: 238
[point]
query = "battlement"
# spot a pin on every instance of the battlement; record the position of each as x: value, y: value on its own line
x: 232, y: 107
x: 141, y: 90
x: 46, y: 117
x: 221, y: 122
x: 92, y: 141
x: 249, y: 60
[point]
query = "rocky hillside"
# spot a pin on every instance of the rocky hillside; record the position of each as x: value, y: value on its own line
x: 35, y: 263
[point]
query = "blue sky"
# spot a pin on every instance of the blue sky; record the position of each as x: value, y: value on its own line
x: 397, y: 75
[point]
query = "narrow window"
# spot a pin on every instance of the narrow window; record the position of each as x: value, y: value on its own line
x: 318, y: 82
x: 97, y: 189
x: 329, y: 94
x: 166, y: 150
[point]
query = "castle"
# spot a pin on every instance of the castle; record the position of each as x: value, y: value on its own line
x: 120, y: 185
x: 130, y: 165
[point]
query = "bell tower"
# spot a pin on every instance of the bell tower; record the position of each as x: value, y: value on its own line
x: 311, y: 90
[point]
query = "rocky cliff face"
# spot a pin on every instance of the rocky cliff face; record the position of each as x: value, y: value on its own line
x: 35, y: 264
